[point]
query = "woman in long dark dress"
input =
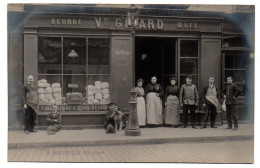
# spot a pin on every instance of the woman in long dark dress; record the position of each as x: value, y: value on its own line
x: 154, y: 93
x: 172, y: 115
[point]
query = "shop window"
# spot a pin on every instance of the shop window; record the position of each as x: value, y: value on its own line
x: 76, y: 73
x: 189, y: 60
x: 235, y: 66
x: 74, y: 55
x: 49, y: 55
x: 98, y: 56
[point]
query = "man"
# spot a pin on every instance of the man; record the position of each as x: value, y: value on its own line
x: 231, y: 92
x: 30, y: 102
x: 189, y: 100
x: 210, y: 101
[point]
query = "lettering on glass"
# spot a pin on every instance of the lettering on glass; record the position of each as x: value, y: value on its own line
x: 122, y: 56
x: 49, y: 108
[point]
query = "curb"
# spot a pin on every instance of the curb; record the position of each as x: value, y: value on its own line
x: 128, y: 141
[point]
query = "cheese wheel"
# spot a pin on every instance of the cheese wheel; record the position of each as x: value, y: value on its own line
x: 90, y: 93
x: 106, y: 96
x: 48, y: 90
x: 41, y: 96
x: 91, y: 98
x: 48, y: 96
x: 105, y: 91
x: 41, y: 85
x: 97, y: 87
x: 40, y: 90
x: 52, y: 102
x: 43, y: 102
x: 98, y: 96
x: 97, y: 83
x: 55, y: 85
x: 58, y: 102
x: 47, y: 85
x: 97, y: 91
x: 57, y: 95
x: 96, y: 101
x: 90, y: 101
x: 56, y: 90
x: 90, y: 88
x: 42, y: 81
x: 104, y: 85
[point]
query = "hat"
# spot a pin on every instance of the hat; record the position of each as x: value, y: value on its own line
x: 189, y: 76
x: 140, y: 80
x: 172, y: 78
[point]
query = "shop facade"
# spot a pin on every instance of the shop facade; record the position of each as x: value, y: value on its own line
x: 83, y: 62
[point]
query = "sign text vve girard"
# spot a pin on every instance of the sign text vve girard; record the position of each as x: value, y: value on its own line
x: 104, y: 22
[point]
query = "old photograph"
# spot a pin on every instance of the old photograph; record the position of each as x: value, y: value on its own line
x: 131, y: 83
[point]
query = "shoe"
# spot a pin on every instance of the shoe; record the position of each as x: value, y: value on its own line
x: 234, y: 129
x: 194, y: 127
x: 213, y: 126
x: 27, y: 132
x: 184, y: 126
x: 228, y: 128
x: 175, y: 126
x: 203, y: 127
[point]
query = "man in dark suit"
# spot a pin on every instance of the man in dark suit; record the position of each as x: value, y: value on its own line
x: 231, y: 92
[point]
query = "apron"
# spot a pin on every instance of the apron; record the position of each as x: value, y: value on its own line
x: 154, y: 109
x: 141, y: 113
x: 172, y: 115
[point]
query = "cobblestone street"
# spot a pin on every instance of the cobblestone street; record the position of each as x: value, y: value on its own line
x: 210, y: 152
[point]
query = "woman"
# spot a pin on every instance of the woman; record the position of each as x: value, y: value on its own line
x: 141, y: 113
x: 154, y: 102
x: 172, y: 115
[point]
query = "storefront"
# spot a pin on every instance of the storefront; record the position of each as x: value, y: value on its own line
x: 83, y: 62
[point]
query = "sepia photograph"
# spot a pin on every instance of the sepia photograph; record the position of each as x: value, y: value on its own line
x: 130, y: 83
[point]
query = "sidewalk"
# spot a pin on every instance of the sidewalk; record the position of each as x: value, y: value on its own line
x: 97, y: 137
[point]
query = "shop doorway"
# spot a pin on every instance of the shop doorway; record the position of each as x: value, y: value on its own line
x: 155, y: 56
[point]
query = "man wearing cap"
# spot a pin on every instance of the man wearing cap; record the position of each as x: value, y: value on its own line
x: 189, y: 99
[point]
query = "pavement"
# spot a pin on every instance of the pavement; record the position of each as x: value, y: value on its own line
x: 98, y: 137
x: 207, y: 152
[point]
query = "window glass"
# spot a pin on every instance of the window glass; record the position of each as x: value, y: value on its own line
x: 98, y: 56
x: 189, y: 48
x: 49, y: 55
x: 74, y: 56
x: 189, y: 66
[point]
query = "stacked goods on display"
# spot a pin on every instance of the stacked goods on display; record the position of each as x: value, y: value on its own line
x: 49, y: 94
x: 74, y: 98
x: 98, y: 93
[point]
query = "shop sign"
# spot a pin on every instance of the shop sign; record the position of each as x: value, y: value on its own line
x: 49, y: 108
x: 187, y: 25
x: 122, y: 23
x: 73, y: 85
x: 64, y: 21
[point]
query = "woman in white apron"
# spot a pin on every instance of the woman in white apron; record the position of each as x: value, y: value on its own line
x: 154, y: 102
x: 141, y: 112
